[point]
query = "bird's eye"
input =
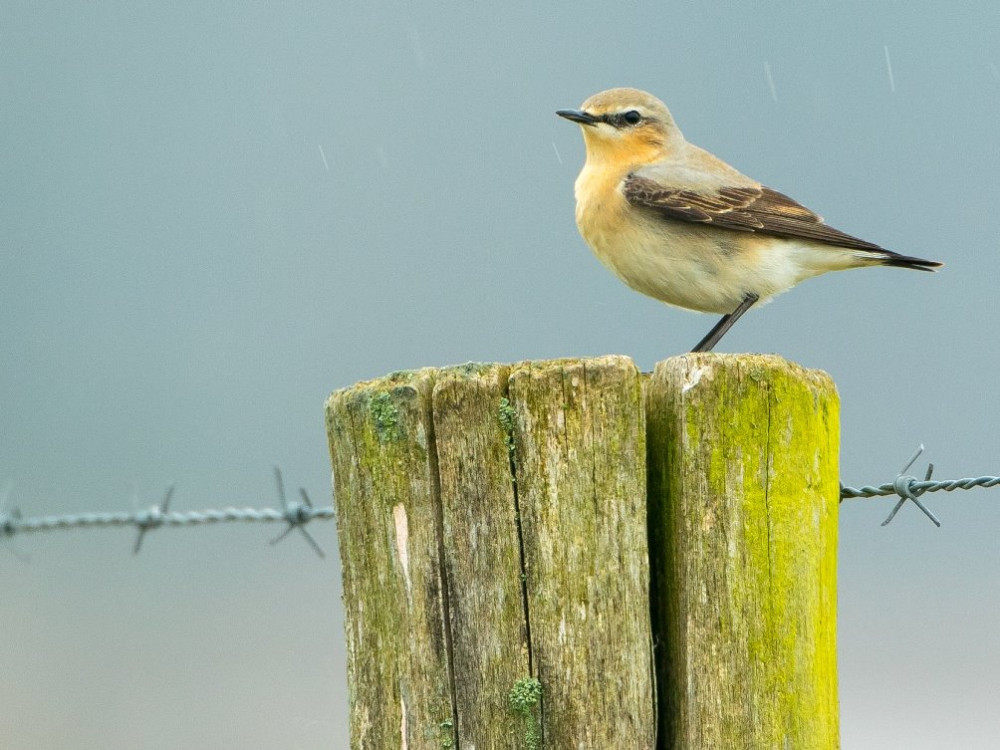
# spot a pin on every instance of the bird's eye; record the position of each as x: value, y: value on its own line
x: 632, y: 117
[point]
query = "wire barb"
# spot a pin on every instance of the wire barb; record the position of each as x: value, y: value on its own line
x: 151, y: 518
x: 296, y: 514
x: 904, y: 488
x: 10, y: 523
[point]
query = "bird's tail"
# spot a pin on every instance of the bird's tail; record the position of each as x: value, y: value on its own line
x: 889, y: 258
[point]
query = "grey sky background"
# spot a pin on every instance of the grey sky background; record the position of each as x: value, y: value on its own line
x: 184, y: 280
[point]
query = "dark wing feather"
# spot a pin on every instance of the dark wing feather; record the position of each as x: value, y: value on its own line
x: 744, y: 209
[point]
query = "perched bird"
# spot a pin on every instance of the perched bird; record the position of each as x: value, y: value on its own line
x: 677, y: 223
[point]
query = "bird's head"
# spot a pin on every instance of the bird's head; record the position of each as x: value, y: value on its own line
x: 625, y: 125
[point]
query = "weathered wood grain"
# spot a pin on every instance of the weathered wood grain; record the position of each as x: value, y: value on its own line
x: 388, y: 524
x: 481, y: 552
x: 579, y: 447
x: 743, y: 492
x: 493, y: 525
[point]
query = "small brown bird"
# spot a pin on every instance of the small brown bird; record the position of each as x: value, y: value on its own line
x: 680, y: 225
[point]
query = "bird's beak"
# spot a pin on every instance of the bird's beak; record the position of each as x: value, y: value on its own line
x: 578, y: 115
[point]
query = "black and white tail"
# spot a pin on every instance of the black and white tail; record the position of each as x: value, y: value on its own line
x: 890, y: 258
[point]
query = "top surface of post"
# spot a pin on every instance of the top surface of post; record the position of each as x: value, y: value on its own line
x: 742, y: 365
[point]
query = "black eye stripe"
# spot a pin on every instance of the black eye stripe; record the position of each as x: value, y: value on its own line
x: 623, y: 119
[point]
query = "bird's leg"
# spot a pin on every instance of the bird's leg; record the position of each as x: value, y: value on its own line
x: 719, y: 329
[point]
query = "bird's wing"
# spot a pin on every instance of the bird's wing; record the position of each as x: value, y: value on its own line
x: 744, y: 208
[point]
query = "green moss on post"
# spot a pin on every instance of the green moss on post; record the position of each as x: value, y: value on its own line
x: 743, y: 498
x: 525, y: 701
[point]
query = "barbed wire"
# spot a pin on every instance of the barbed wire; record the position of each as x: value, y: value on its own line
x: 295, y: 513
x: 298, y: 513
x: 890, y: 488
x: 910, y: 488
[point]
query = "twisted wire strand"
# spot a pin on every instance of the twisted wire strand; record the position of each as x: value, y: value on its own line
x: 150, y: 517
x: 300, y: 513
x: 294, y: 513
x: 917, y: 487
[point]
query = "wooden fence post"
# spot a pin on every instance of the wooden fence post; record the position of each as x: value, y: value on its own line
x: 580, y: 453
x: 388, y: 529
x: 493, y: 525
x: 743, y: 496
